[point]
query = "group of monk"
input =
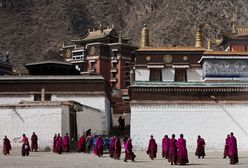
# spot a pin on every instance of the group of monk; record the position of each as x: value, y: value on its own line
x: 25, y: 145
x: 173, y: 150
x: 61, y: 144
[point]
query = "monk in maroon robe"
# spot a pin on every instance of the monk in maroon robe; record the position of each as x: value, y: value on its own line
x: 59, y: 144
x: 152, y: 148
x: 54, y: 143
x: 182, y: 152
x: 34, y: 142
x: 165, y: 147
x: 172, y: 150
x: 98, y: 150
x: 117, y: 150
x: 6, y: 145
x: 112, y: 146
x: 226, y: 147
x: 200, y: 150
x: 25, y: 145
x: 66, y: 142
x: 129, y: 155
x: 81, y: 144
x: 233, y: 149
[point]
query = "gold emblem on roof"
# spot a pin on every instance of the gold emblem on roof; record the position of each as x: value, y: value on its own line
x: 167, y: 59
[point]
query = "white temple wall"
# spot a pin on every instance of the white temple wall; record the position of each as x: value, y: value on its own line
x: 212, y: 122
x: 194, y: 75
x: 15, y: 99
x: 44, y: 120
x: 142, y: 74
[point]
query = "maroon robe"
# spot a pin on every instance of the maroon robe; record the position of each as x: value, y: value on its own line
x: 117, y: 150
x: 81, y: 145
x: 200, y: 150
x: 129, y: 155
x: 25, y: 146
x: 59, y: 144
x: 233, y: 150
x: 112, y: 147
x: 172, y: 151
x: 34, y: 142
x: 226, y: 148
x: 182, y: 152
x: 6, y: 146
x: 152, y: 149
x: 165, y: 148
x: 98, y: 150
x: 66, y: 142
x: 54, y: 144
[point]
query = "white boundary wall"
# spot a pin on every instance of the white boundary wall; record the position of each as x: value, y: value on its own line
x: 212, y: 122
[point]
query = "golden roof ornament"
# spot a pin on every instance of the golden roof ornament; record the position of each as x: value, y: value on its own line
x: 144, y: 37
x: 210, y: 45
x: 198, y: 38
x: 120, y: 37
x: 234, y: 28
x: 101, y: 27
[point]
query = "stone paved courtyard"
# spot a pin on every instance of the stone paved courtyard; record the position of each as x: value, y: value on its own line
x: 79, y: 160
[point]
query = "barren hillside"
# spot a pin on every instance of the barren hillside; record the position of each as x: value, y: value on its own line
x: 33, y: 30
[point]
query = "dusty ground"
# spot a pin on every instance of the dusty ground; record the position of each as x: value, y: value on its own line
x: 78, y: 160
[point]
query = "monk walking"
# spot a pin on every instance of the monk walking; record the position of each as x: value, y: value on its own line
x: 200, y: 150
x: 226, y: 147
x: 112, y: 146
x: 182, y: 152
x: 233, y: 149
x: 165, y: 147
x: 98, y: 150
x: 6, y: 145
x: 129, y: 155
x: 25, y: 145
x: 66, y: 142
x: 152, y: 148
x: 81, y: 144
x: 59, y: 144
x: 34, y: 142
x: 54, y: 143
x: 117, y: 150
x: 172, y: 150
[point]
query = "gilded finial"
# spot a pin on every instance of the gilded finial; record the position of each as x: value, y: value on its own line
x: 198, y: 38
x: 210, y: 45
x: 144, y: 37
x: 120, y: 37
x: 101, y: 27
x: 233, y: 28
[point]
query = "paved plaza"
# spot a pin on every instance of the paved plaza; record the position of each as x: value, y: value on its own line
x: 80, y: 160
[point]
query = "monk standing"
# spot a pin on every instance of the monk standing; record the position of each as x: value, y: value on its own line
x: 81, y: 144
x: 129, y: 155
x: 34, y: 142
x: 66, y: 142
x: 112, y: 146
x: 152, y: 148
x: 182, y: 152
x: 117, y: 150
x: 200, y: 150
x: 165, y: 147
x: 98, y: 150
x: 233, y: 149
x: 59, y: 144
x: 54, y: 143
x: 172, y: 150
x: 25, y: 145
x: 226, y: 147
x: 6, y: 145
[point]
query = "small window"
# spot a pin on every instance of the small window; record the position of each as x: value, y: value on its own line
x: 180, y: 75
x: 155, y: 75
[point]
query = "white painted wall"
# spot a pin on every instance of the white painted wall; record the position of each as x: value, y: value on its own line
x: 15, y: 99
x: 44, y: 120
x: 212, y: 122
x: 142, y: 74
x: 98, y: 102
x: 194, y: 75
x: 168, y: 74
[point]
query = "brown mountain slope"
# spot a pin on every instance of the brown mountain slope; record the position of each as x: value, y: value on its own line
x: 33, y: 30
